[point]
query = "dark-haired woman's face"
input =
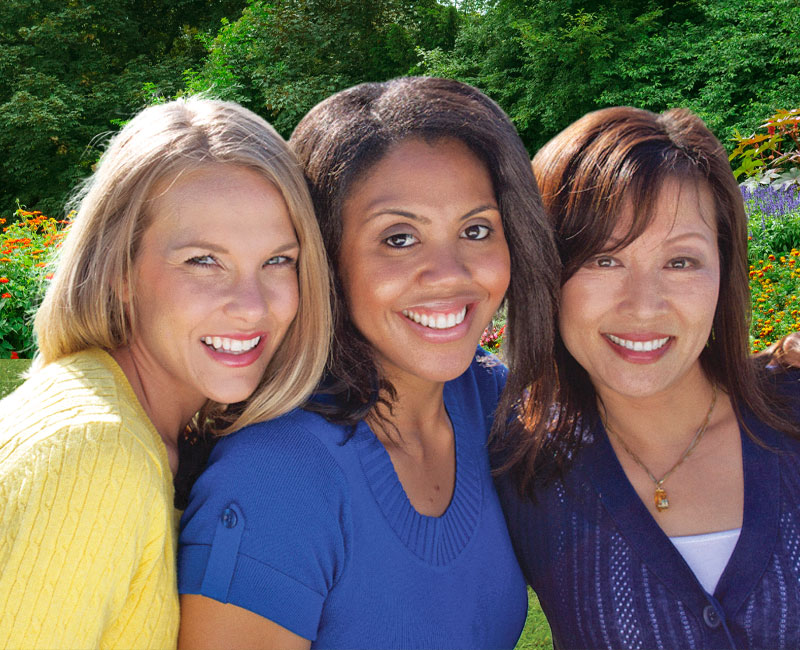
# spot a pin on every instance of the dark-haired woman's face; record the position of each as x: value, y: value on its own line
x: 424, y: 261
x: 638, y: 318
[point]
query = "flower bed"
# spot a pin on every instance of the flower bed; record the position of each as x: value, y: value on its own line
x: 26, y: 245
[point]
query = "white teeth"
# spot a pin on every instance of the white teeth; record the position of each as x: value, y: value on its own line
x: 437, y: 321
x: 231, y: 346
x: 639, y: 346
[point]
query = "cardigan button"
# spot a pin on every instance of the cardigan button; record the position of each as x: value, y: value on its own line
x: 229, y: 518
x: 710, y: 616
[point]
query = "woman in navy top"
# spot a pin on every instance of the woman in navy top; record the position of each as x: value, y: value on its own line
x: 662, y: 509
x: 369, y: 519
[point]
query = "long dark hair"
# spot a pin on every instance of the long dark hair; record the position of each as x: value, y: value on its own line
x: 587, y: 174
x: 344, y: 136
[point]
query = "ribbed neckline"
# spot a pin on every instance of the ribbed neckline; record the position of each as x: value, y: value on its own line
x: 435, y: 540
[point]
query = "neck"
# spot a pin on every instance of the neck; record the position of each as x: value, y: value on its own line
x: 675, y: 414
x: 165, y: 404
x: 418, y: 416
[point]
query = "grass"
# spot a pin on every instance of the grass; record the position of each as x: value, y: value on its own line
x: 536, y: 635
x: 10, y: 374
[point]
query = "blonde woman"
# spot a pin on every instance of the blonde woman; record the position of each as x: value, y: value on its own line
x: 192, y: 278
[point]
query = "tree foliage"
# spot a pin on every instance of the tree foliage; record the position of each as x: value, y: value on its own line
x: 70, y: 70
x: 68, y: 67
x: 547, y: 62
x: 281, y: 58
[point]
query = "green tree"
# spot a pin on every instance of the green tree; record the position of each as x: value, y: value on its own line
x: 68, y: 68
x: 281, y: 58
x: 547, y: 62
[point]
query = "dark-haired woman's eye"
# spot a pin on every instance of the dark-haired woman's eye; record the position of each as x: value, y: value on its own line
x: 476, y: 232
x: 604, y: 261
x: 681, y: 263
x: 400, y: 240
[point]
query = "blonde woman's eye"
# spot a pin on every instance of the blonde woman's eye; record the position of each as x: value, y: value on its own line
x: 476, y: 232
x: 282, y: 260
x: 202, y: 260
x: 400, y: 240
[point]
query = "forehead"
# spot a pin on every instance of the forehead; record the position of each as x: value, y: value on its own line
x: 414, y: 157
x: 679, y: 205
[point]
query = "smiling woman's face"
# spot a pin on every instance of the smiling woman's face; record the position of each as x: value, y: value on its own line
x: 637, y: 319
x: 424, y: 261
x: 216, y: 284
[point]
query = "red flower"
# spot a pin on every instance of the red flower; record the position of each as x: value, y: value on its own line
x: 771, y: 129
x: 6, y: 295
x: 14, y: 355
x: 3, y: 280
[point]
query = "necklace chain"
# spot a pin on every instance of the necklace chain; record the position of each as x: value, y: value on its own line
x: 661, y: 500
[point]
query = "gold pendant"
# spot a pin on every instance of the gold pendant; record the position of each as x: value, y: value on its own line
x: 662, y: 502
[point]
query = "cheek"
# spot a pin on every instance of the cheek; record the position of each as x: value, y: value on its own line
x: 499, y: 268
x: 285, y: 300
x: 492, y: 269
x: 371, y: 285
x: 578, y: 317
x: 702, y: 299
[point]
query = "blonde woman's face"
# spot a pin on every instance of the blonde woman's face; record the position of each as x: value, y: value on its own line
x: 216, y: 285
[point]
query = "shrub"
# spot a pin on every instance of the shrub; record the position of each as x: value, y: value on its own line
x: 771, y: 158
x: 25, y: 246
x: 773, y: 288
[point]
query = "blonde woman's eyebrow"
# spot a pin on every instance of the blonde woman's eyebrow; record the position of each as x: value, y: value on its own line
x: 217, y: 248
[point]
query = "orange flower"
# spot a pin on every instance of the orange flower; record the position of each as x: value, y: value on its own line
x: 6, y: 295
x: 3, y: 280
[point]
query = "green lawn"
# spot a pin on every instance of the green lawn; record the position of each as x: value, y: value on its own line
x: 10, y: 371
x: 536, y: 635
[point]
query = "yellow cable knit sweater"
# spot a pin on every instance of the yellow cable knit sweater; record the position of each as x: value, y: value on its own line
x: 87, y: 525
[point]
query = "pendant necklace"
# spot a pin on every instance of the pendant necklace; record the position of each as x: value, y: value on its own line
x: 661, y: 499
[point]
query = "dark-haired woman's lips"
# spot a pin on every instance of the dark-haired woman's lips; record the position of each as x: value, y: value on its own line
x: 639, y: 348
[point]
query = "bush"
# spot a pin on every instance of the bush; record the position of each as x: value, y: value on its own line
x: 771, y: 158
x: 773, y: 288
x: 25, y: 246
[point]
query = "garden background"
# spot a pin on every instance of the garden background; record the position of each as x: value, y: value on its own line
x: 72, y: 72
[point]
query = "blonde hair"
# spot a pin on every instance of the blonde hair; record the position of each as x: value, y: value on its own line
x: 84, y: 307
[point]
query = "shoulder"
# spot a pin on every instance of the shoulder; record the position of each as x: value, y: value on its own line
x: 272, y: 507
x: 787, y: 382
x: 273, y: 469
x: 300, y: 442
x: 71, y: 422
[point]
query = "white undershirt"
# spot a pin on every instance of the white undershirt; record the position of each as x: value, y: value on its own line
x: 707, y: 555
